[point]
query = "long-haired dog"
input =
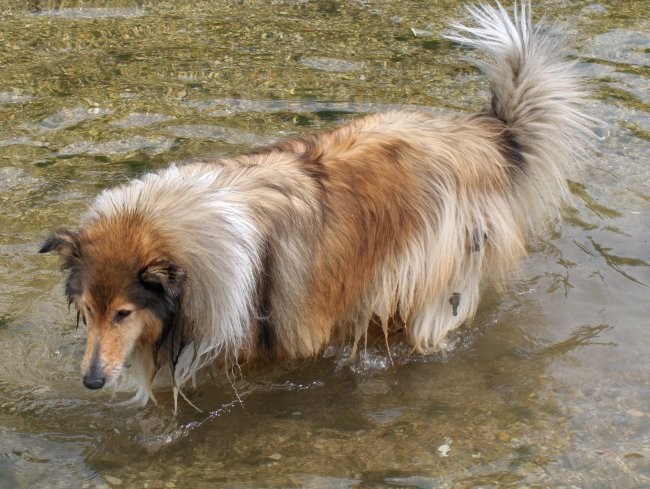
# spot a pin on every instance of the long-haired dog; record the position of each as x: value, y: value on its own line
x: 391, y: 219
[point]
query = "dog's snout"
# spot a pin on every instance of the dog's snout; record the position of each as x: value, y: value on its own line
x: 94, y: 382
x: 94, y: 375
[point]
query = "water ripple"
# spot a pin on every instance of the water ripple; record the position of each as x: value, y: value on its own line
x: 13, y: 98
x: 623, y: 46
x: 332, y: 64
x: 137, y: 119
x: 67, y: 118
x: 218, y: 133
x: 92, y: 13
x: 227, y: 106
x: 149, y: 144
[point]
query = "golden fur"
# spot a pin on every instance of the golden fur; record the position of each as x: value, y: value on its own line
x: 391, y: 220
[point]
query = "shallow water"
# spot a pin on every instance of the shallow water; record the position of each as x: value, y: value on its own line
x: 548, y: 387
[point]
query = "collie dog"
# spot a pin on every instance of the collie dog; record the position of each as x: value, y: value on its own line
x: 389, y: 222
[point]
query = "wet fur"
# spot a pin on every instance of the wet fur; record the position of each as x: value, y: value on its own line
x: 393, y: 219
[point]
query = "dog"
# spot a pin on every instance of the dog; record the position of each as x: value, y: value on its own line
x: 390, y: 222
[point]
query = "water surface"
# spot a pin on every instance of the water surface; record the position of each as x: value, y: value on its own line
x: 549, y: 386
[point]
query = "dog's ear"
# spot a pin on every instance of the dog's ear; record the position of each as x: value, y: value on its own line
x: 164, y: 275
x: 63, y: 241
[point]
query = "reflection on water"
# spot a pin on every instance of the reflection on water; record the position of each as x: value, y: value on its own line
x: 547, y: 387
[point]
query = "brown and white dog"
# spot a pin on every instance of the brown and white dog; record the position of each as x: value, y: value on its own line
x: 392, y: 219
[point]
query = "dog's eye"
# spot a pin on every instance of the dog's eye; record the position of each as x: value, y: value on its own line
x: 121, y: 314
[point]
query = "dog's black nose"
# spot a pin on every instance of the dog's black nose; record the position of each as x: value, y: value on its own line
x: 93, y: 382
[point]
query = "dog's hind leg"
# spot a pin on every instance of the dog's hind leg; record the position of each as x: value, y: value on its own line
x: 430, y: 324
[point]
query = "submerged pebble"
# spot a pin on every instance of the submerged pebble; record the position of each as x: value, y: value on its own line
x: 113, y: 481
x: 503, y: 437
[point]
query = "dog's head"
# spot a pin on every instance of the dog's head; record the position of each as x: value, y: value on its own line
x: 126, y: 289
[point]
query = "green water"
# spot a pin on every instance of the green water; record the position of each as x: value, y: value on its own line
x: 548, y: 387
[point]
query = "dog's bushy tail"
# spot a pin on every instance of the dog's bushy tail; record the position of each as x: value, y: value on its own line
x: 537, y: 94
